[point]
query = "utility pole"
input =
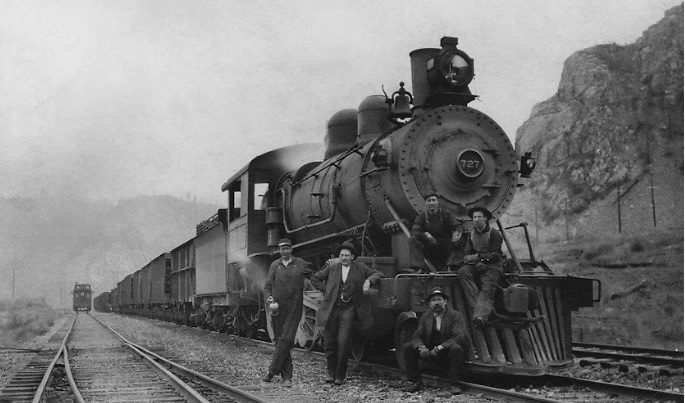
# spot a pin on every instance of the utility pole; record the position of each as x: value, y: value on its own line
x: 537, y: 239
x: 618, y: 202
x: 566, y: 218
x: 651, y: 177
x: 14, y: 279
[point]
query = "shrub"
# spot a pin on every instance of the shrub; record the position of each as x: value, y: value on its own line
x: 598, y: 250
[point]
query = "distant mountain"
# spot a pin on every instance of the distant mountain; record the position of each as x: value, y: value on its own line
x: 613, y: 131
x: 52, y: 243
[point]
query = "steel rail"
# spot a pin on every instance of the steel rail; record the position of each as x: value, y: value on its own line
x: 489, y: 391
x: 656, y: 351
x: 70, y: 377
x: 236, y: 394
x: 648, y: 359
x: 613, y: 388
x: 37, y: 396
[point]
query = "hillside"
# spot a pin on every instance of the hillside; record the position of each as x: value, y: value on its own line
x: 612, y: 132
x: 53, y: 243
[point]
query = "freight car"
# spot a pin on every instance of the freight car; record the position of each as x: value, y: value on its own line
x: 379, y: 163
x: 82, y: 297
x: 102, y: 303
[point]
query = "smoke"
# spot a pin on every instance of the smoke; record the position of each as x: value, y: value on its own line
x: 252, y: 271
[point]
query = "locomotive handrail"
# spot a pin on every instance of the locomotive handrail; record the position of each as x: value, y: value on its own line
x: 511, y: 250
x: 306, y: 226
x: 405, y: 230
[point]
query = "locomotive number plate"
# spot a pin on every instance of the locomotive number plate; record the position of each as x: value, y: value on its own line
x: 470, y: 163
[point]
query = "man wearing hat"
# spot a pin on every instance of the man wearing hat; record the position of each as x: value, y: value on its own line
x: 344, y: 284
x: 483, y: 264
x: 439, y: 338
x: 436, y: 235
x: 283, y: 290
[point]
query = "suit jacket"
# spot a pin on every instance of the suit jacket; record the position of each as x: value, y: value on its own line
x: 329, y: 279
x: 451, y: 329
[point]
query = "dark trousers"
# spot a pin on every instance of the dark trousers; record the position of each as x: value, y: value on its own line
x: 480, y: 300
x: 282, y: 361
x: 451, y: 357
x: 436, y: 253
x: 284, y: 326
x: 337, y: 337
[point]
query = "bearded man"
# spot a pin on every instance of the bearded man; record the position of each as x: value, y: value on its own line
x: 438, y: 338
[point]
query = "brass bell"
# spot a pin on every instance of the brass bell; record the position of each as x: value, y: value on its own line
x: 400, y: 104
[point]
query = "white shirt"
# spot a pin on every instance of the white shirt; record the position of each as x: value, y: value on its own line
x: 345, y: 272
x: 438, y: 320
x: 286, y: 263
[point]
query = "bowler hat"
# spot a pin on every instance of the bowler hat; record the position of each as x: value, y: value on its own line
x: 285, y: 242
x: 349, y: 246
x: 437, y: 290
x: 486, y: 212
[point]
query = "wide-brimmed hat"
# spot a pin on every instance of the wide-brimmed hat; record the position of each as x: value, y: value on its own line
x: 349, y: 246
x: 285, y: 242
x: 437, y: 290
x: 486, y: 212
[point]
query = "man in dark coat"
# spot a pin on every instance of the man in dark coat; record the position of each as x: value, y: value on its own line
x: 283, y: 290
x: 344, y: 285
x: 435, y: 235
x: 438, y: 338
x: 483, y: 264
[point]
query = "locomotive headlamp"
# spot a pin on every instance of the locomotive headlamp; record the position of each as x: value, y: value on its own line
x: 452, y: 67
x: 527, y: 165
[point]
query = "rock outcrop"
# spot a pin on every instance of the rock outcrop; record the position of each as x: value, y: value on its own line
x: 613, y: 132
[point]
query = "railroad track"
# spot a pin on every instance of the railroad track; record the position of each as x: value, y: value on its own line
x: 29, y: 384
x: 665, y: 362
x: 546, y: 388
x: 101, y: 365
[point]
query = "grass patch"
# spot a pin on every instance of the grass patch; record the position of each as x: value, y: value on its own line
x: 24, y: 319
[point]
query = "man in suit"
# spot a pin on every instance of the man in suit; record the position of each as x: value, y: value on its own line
x: 438, y: 338
x: 344, y: 284
x: 283, y: 291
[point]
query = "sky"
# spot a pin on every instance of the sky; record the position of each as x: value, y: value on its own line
x: 108, y: 100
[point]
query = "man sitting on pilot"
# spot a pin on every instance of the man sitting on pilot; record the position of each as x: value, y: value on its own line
x: 482, y: 264
x: 439, y: 339
x: 437, y: 236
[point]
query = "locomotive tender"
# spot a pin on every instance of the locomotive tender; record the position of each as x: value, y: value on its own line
x: 379, y: 163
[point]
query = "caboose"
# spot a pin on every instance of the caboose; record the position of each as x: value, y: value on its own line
x: 368, y: 185
x: 82, y: 297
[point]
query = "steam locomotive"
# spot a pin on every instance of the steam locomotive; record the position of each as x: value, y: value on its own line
x: 379, y: 162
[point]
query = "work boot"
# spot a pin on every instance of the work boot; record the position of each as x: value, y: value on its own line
x: 268, y: 378
x: 338, y: 381
x: 287, y: 382
x: 479, y: 322
x: 456, y: 389
x: 413, y: 387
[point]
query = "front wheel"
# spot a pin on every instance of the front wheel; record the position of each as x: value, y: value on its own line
x: 404, y: 331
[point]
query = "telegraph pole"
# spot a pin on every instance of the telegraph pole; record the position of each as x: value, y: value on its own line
x: 14, y: 279
x: 651, y: 177
x: 618, y: 202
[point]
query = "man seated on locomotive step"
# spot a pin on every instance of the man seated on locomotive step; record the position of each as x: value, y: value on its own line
x: 482, y: 264
x: 439, y: 338
x: 437, y: 236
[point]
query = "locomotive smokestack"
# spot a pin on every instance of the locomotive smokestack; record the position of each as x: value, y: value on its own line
x: 420, y: 87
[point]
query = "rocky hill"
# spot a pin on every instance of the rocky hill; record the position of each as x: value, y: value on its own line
x: 52, y: 243
x: 611, y: 138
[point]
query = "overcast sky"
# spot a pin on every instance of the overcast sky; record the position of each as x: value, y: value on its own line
x: 113, y: 99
